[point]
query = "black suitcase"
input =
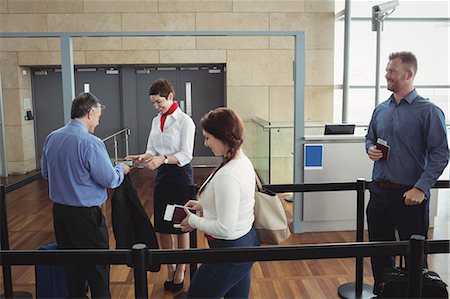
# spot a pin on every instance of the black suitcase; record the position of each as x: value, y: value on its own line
x: 396, y: 284
x: 50, y: 279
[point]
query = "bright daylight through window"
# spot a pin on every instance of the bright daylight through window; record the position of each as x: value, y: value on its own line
x: 422, y: 27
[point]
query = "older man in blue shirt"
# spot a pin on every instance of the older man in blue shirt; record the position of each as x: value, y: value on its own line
x: 414, y: 130
x: 79, y: 170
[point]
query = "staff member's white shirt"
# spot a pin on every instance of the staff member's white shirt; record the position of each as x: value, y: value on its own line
x: 177, y: 139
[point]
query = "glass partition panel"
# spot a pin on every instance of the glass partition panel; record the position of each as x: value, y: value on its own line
x: 261, y: 155
x: 273, y: 148
x: 282, y: 154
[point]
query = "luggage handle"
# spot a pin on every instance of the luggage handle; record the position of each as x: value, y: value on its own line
x: 402, y: 257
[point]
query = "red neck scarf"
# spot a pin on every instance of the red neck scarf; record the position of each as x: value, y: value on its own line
x: 164, y: 116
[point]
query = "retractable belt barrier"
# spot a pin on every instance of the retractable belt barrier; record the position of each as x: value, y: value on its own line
x: 139, y: 258
x: 357, y: 289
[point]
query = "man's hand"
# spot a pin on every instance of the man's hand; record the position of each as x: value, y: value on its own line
x: 374, y: 153
x: 413, y: 197
x: 126, y: 168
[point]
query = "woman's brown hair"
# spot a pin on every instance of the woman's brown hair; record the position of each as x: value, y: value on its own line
x: 226, y: 126
x: 161, y: 87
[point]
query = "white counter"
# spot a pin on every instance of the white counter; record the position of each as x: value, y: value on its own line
x: 344, y: 159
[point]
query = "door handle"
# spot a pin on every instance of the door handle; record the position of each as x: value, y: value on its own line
x: 188, y: 98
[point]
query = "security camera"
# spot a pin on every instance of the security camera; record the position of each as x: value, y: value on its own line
x: 385, y: 7
x: 381, y: 11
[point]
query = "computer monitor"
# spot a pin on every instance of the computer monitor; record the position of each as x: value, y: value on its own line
x: 339, y: 129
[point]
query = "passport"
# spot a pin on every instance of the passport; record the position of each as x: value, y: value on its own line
x: 175, y: 213
x: 384, y: 147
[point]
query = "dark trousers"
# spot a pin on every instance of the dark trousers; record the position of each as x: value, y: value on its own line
x: 386, y: 214
x: 83, y: 228
x: 224, y: 280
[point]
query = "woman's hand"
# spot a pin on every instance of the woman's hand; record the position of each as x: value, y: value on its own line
x: 188, y: 207
x: 131, y: 157
x: 138, y: 158
x: 155, y: 162
x: 141, y: 159
x: 185, y: 227
x: 193, y: 205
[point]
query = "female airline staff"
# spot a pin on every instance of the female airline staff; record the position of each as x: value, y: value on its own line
x: 169, y: 149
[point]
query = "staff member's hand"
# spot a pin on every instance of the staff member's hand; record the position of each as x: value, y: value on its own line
x: 155, y: 162
x: 374, y: 153
x: 138, y: 159
x: 413, y: 197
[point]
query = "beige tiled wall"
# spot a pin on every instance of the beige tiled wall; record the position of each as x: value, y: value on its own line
x: 259, y: 69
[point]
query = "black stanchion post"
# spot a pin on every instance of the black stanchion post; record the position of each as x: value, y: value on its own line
x: 358, y: 289
x: 7, y: 280
x: 138, y: 261
x: 360, y: 189
x: 192, y: 244
x: 416, y: 258
x: 4, y: 245
x: 193, y: 189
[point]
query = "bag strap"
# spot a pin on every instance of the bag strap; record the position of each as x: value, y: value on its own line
x: 259, y: 186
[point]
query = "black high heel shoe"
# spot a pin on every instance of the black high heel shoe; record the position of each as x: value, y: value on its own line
x: 168, y: 284
x: 172, y: 286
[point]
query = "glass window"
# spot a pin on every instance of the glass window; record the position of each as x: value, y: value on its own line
x: 417, y: 26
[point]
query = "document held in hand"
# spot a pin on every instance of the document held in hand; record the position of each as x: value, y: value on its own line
x: 384, y: 147
x: 175, y: 213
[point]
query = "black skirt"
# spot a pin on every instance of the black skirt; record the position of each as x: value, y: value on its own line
x: 171, y: 187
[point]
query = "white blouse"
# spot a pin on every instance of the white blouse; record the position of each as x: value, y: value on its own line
x: 228, y: 201
x: 177, y: 139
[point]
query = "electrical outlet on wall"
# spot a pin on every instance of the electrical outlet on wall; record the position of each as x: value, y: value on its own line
x: 26, y: 103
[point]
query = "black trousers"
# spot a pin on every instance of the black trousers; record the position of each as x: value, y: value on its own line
x: 386, y: 214
x: 83, y: 228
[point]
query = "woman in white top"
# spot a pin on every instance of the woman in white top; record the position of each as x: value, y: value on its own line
x: 169, y: 149
x: 226, y: 202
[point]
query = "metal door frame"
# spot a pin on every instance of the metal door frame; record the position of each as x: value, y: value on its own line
x: 3, y: 156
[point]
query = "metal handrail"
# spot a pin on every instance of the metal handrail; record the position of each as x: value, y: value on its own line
x: 127, y: 132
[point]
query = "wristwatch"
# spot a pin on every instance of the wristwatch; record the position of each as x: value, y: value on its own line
x: 166, y: 160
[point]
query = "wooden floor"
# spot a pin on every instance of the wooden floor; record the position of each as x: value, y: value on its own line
x: 30, y: 226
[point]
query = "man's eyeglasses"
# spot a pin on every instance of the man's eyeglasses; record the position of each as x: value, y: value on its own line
x: 101, y: 106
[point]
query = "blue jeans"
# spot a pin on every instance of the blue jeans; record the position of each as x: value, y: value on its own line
x: 228, y: 280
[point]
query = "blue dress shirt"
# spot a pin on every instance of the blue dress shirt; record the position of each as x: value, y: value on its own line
x: 416, y: 133
x: 77, y: 167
